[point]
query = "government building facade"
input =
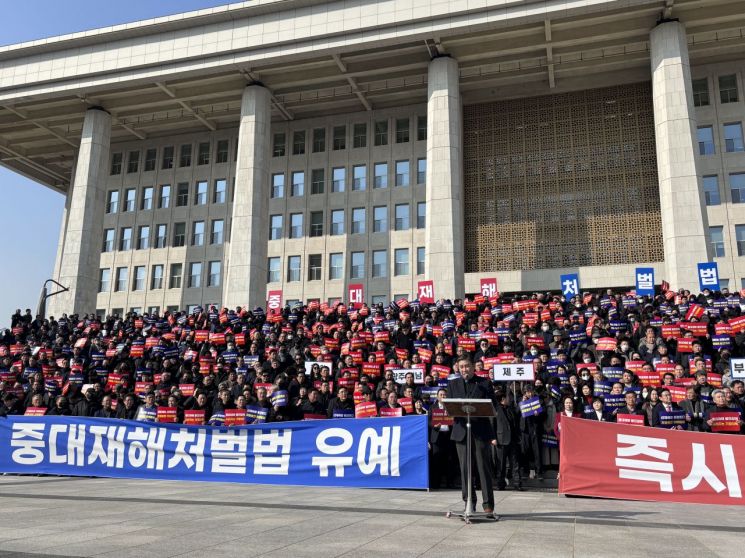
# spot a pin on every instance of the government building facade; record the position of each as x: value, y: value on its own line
x: 304, y: 146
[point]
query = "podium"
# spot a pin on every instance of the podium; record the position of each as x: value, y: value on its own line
x: 467, y: 408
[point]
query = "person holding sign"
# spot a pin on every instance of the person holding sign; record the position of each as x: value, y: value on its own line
x: 470, y: 386
x: 717, y: 410
x: 667, y: 408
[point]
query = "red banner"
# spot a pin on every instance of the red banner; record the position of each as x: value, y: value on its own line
x: 356, y: 294
x: 274, y: 302
x: 489, y: 287
x: 426, y: 292
x: 632, y: 463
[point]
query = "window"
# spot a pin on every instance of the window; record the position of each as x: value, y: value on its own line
x: 279, y: 142
x: 296, y: 225
x: 275, y: 227
x: 705, y: 137
x: 133, y: 162
x: 197, y: 233
x: 381, y: 132
x: 179, y: 234
x: 421, y: 215
x: 317, y: 181
x: 104, y: 280
x: 740, y: 237
x: 338, y: 176
x: 156, y: 277
x: 278, y: 185
x: 218, y: 195
x: 122, y: 276
x: 314, y: 267
x: 728, y: 89
x: 336, y: 265
x: 401, y: 261
x: 402, y: 217
x: 138, y: 281
x: 112, y: 204
x: 217, y: 233
x: 143, y: 238
x: 147, y: 198
x: 195, y: 275
x: 402, y: 173
x: 161, y: 235
x: 182, y: 194
x: 177, y: 270
x: 711, y: 190
x: 130, y: 195
x: 340, y: 137
x: 293, y: 269
x: 359, y: 135
x: 319, y: 140
x: 298, y: 184
x: 381, y: 175
x: 358, y: 220
x: 125, y: 239
x: 421, y: 128
x: 716, y: 236
x: 700, y: 92
x: 316, y: 223
x: 723, y: 283
x: 273, y: 270
x: 167, y: 157
x: 733, y: 137
x: 420, y: 260
x: 108, y: 240
x: 402, y: 130
x: 151, y: 155
x: 337, y: 222
x: 298, y: 142
x: 378, y: 299
x: 164, y: 200
x: 200, y: 193
x: 116, y: 163
x: 203, y: 153
x: 213, y: 276
x: 421, y: 171
x: 185, y: 156
x: 357, y: 267
x: 737, y: 187
x: 222, y: 151
x: 380, y: 263
x: 380, y: 219
x: 359, y: 177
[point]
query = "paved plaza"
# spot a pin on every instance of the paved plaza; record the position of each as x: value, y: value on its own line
x: 61, y: 516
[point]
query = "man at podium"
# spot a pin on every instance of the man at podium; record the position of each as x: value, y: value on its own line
x: 470, y: 386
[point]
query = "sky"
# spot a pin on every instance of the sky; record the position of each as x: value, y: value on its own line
x: 30, y: 214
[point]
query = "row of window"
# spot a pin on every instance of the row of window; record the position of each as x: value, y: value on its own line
x: 157, y: 277
x: 712, y: 194
x: 733, y: 141
x: 402, y: 134
x: 716, y: 237
x: 168, y: 160
x: 160, y: 239
x: 147, y: 196
x: 337, y: 222
x: 728, y: 90
x: 339, y: 178
x: 379, y: 265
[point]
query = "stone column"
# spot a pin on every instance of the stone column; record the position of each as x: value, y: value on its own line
x: 247, y: 265
x: 685, y: 223
x: 444, y: 254
x: 78, y: 264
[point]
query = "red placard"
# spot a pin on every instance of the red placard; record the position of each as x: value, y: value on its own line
x: 364, y: 410
x: 440, y: 417
x: 166, y: 414
x: 274, y: 302
x: 677, y: 393
x: 685, y: 344
x: 725, y: 421
x: 388, y: 412
x: 650, y: 379
x: 314, y: 416
x: 489, y: 286
x: 606, y: 344
x: 35, y: 411
x: 194, y: 417
x: 636, y: 420
x: 631, y: 463
x: 426, y: 291
x: 407, y: 403
x: 440, y: 371
x: 356, y: 294
x: 235, y: 417
x: 187, y: 390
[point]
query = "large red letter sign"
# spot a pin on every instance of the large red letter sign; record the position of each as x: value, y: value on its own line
x: 489, y: 287
x: 274, y: 303
x: 356, y: 295
x: 426, y: 292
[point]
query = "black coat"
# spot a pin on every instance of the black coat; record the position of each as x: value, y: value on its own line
x: 475, y: 388
x: 508, y: 426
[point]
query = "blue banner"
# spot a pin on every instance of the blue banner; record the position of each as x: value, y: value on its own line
x: 371, y: 453
x: 708, y: 276
x: 570, y: 285
x: 645, y: 281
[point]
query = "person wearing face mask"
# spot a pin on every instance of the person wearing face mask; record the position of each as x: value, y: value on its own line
x: 546, y: 333
x: 624, y: 349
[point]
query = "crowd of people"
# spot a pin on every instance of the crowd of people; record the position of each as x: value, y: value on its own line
x: 661, y: 361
